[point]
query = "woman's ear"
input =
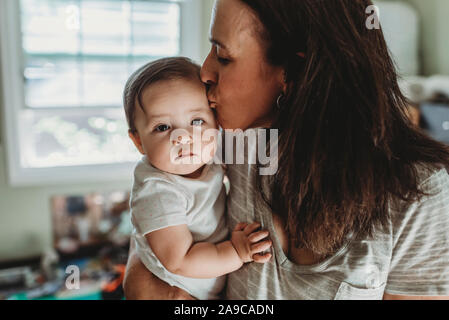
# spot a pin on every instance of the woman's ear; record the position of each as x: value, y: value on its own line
x: 136, y: 139
x: 284, y: 81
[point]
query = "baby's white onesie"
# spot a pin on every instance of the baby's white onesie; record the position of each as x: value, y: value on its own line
x: 159, y: 200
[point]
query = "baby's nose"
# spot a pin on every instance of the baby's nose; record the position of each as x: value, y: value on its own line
x: 183, y: 139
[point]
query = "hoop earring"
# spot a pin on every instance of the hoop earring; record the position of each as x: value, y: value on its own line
x: 279, y: 101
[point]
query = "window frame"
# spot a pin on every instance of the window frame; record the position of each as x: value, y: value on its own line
x: 12, y: 89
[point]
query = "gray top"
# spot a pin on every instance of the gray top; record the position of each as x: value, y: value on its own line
x: 410, y: 257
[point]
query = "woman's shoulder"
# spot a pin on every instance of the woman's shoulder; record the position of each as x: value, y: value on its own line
x: 420, y: 243
x: 434, y: 182
x: 431, y: 176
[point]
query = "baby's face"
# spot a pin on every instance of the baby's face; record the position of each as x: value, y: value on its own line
x: 167, y: 132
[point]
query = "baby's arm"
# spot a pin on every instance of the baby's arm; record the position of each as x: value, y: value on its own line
x: 176, y: 250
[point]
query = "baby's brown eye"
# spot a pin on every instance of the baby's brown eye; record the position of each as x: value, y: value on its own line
x: 197, y: 122
x: 162, y: 128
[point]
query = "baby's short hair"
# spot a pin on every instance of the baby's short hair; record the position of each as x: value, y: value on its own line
x: 164, y: 69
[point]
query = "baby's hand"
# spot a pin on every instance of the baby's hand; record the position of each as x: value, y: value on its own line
x: 250, y: 243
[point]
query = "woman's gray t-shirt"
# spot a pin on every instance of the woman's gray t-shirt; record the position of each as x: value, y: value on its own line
x: 410, y: 257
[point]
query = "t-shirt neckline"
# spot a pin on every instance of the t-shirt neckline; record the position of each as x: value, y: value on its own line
x: 285, y: 263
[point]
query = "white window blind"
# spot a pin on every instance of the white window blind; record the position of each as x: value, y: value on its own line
x: 79, y: 53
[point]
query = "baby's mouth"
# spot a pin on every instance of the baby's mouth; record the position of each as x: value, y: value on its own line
x: 185, y: 154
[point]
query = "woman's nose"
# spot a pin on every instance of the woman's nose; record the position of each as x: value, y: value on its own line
x: 208, y: 73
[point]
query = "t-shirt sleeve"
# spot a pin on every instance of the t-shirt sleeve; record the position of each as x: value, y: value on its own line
x: 158, y: 204
x: 420, y: 258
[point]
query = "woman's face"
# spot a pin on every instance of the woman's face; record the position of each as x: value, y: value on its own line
x: 243, y: 87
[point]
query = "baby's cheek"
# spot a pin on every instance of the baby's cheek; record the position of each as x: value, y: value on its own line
x: 159, y: 155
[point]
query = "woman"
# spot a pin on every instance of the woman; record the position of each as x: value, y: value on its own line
x: 359, y: 207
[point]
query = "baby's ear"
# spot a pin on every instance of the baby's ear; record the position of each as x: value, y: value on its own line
x: 136, y: 139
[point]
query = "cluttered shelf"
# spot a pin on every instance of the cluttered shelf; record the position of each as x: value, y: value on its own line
x: 429, y: 104
x: 94, y: 276
x: 87, y: 262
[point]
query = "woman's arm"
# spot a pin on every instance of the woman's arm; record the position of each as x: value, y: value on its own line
x: 141, y: 284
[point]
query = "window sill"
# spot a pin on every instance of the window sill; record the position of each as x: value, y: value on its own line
x: 104, y: 173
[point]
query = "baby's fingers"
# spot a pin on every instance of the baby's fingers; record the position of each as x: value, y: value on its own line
x: 240, y: 226
x: 261, y: 246
x: 257, y: 236
x: 261, y: 258
x: 251, y: 228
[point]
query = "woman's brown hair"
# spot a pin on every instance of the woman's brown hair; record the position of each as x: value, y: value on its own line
x: 346, y: 145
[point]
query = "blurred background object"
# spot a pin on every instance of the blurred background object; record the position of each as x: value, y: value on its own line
x: 416, y: 36
x: 91, y: 232
x: 81, y: 222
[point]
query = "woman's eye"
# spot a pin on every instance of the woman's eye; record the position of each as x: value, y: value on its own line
x: 223, y: 61
x: 162, y: 128
x: 197, y: 122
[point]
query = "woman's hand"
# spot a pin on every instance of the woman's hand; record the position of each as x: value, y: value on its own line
x: 140, y: 284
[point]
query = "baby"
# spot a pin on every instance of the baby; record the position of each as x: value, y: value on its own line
x: 178, y: 196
